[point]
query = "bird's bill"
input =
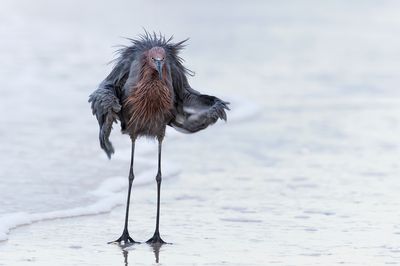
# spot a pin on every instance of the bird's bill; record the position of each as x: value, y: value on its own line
x: 159, y: 65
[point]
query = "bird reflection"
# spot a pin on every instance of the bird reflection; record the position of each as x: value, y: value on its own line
x: 156, y: 247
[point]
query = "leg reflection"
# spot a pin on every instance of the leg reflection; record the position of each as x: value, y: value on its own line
x: 156, y: 249
x: 125, y: 253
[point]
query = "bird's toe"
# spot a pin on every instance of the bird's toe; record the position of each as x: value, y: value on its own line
x: 156, y: 239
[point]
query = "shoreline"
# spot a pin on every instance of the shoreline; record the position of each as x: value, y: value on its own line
x: 110, y: 194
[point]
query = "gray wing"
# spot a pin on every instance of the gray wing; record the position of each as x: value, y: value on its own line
x: 195, y: 111
x: 105, y: 106
x: 106, y: 99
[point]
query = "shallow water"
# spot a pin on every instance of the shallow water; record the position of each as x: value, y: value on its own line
x: 305, y: 172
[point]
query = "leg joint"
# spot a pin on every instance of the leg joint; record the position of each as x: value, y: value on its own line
x: 158, y: 177
x: 131, y: 176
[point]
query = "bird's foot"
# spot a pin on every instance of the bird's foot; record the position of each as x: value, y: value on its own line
x: 124, y: 239
x: 156, y: 239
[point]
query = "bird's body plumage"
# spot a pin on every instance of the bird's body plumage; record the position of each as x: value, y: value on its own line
x: 148, y: 105
x: 126, y: 88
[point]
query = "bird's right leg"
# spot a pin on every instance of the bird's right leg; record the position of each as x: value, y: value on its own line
x: 125, y: 237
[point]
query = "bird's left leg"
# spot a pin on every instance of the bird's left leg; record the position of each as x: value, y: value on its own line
x: 156, y: 239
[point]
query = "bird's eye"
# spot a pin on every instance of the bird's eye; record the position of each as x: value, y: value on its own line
x: 152, y: 58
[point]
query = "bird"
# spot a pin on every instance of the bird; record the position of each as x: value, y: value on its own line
x: 146, y: 91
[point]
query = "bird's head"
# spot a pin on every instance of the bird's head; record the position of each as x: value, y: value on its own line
x: 156, y: 59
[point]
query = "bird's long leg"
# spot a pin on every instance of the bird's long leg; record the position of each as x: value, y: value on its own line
x: 156, y: 239
x: 125, y: 237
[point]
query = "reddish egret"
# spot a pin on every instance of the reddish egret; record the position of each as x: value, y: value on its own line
x: 147, y: 90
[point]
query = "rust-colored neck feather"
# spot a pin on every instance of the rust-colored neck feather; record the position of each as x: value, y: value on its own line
x: 150, y: 101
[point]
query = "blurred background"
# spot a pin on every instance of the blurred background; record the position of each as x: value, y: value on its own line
x: 304, y: 172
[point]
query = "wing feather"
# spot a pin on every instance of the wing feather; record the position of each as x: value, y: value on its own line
x: 105, y: 106
x: 194, y: 111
